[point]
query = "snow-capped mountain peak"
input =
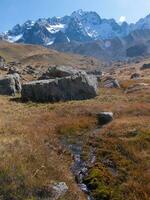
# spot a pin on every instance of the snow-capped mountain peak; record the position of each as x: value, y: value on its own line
x: 80, y: 26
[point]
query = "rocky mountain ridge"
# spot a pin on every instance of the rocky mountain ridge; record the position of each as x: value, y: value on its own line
x: 81, y: 32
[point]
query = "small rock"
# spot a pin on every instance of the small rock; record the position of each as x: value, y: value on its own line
x: 58, y: 190
x: 110, y: 82
x: 83, y: 188
x: 145, y: 66
x: 135, y: 76
x: 104, y: 117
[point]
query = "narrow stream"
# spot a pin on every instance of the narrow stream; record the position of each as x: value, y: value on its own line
x: 80, y: 167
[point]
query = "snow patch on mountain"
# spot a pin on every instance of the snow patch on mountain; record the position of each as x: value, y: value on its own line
x: 56, y: 28
x: 13, y: 39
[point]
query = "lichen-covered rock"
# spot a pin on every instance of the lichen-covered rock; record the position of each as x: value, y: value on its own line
x: 10, y: 84
x: 77, y: 87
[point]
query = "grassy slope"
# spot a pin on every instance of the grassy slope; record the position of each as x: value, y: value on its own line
x: 32, y: 157
x: 37, y: 55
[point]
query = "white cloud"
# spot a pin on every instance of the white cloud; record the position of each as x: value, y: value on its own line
x: 122, y: 19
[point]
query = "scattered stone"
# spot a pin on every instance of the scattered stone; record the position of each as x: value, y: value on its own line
x: 58, y: 72
x: 77, y: 87
x: 10, y: 84
x: 30, y: 70
x: 110, y: 82
x: 145, y: 66
x: 104, y: 117
x: 135, y: 76
x: 13, y: 70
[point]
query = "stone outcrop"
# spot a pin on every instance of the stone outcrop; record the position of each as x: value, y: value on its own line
x: 76, y: 87
x: 10, y: 84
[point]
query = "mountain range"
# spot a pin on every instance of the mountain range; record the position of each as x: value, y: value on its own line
x: 85, y: 33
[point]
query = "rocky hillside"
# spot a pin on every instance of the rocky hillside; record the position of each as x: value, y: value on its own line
x: 33, y: 60
x: 137, y: 43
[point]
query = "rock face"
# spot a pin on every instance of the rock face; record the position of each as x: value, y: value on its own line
x: 77, y: 87
x: 58, y: 72
x: 104, y: 117
x: 10, y: 84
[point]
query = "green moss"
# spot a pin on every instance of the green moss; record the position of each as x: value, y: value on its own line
x: 101, y: 185
x: 102, y: 193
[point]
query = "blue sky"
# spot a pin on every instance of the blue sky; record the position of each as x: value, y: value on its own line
x: 18, y: 11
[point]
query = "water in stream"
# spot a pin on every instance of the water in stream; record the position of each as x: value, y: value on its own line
x: 80, y: 167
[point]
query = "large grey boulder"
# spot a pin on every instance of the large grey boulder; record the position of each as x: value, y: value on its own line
x: 77, y: 87
x: 10, y: 84
x: 58, y: 72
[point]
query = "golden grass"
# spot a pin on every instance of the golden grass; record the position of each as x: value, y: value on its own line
x: 32, y: 156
